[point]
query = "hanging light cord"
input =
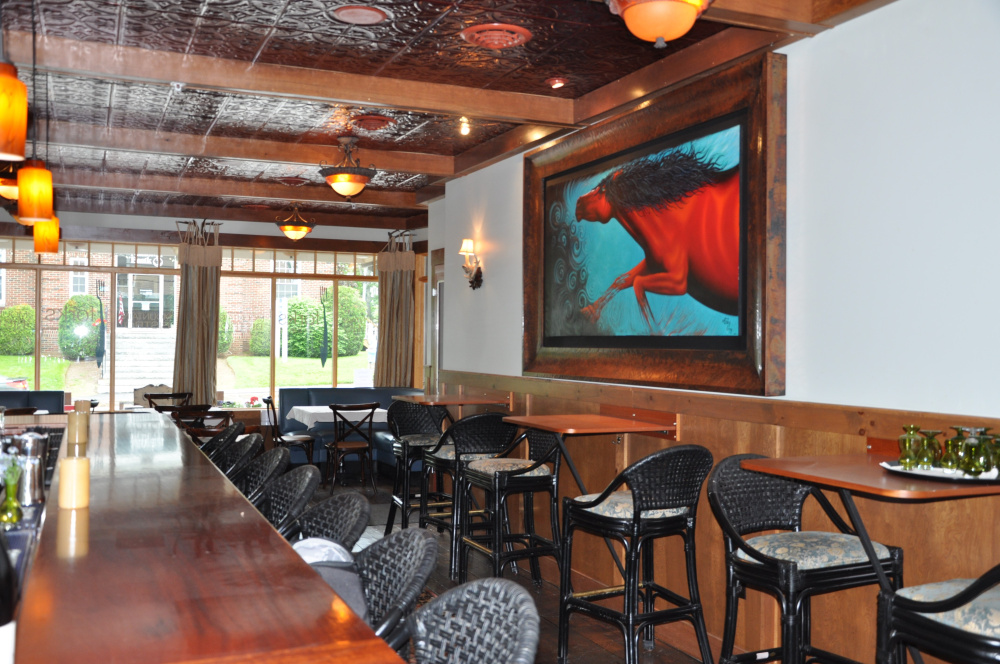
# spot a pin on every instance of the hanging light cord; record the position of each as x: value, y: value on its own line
x: 34, y: 84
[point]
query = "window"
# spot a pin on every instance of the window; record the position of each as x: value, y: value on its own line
x: 286, y: 289
x: 3, y: 279
x: 77, y: 280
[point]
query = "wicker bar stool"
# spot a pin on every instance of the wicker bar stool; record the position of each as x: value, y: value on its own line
x: 793, y: 566
x: 414, y: 428
x: 661, y: 501
x: 473, y: 437
x: 500, y: 478
x: 342, y: 518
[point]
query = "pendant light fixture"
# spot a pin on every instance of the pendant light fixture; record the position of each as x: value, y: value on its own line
x: 13, y: 107
x: 34, y: 181
x: 47, y: 236
x: 659, y: 21
x: 8, y: 183
x: 295, y: 226
x: 349, y: 177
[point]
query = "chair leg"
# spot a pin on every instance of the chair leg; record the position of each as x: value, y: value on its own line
x: 528, y: 505
x: 458, y: 500
x: 396, y: 488
x: 565, y: 592
x: 648, y: 598
x: 698, y: 617
x: 631, y: 599
x: 733, y: 592
x: 791, y: 632
x: 371, y: 470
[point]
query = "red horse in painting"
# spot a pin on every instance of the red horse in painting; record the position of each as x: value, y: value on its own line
x: 685, y: 214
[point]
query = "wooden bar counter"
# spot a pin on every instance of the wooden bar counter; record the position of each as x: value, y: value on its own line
x: 171, y: 564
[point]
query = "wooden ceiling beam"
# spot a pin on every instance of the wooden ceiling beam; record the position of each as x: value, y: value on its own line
x: 90, y: 59
x: 177, y: 211
x: 144, y: 140
x: 717, y: 52
x: 187, y: 186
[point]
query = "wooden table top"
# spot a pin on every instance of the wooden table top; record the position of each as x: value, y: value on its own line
x: 171, y: 564
x: 861, y: 474
x: 587, y: 424
x: 449, y: 400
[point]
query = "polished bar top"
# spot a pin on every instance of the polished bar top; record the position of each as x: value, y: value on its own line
x: 171, y: 564
x: 861, y: 473
x: 587, y: 423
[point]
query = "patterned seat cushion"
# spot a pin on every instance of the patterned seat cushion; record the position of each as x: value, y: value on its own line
x: 980, y: 616
x: 813, y: 550
x: 490, y: 466
x: 618, y: 505
x: 421, y: 439
x: 447, y: 453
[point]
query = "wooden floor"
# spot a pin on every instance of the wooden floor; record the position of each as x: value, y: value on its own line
x: 591, y: 641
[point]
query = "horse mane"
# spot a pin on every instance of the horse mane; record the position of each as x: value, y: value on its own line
x: 661, y: 180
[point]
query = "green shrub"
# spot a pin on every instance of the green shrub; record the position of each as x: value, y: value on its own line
x: 260, y: 337
x: 80, y: 311
x: 225, y: 332
x: 305, y: 328
x: 17, y: 330
x: 350, y: 322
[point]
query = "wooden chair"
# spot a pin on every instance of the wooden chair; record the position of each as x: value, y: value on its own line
x: 360, y: 445
x: 157, y: 399
x: 278, y: 439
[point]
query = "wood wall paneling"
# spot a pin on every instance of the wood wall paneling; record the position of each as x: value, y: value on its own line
x: 844, y: 621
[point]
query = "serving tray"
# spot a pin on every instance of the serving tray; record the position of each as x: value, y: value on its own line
x: 990, y: 477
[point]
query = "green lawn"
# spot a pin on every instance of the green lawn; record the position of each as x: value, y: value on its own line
x: 256, y: 371
x: 53, y: 369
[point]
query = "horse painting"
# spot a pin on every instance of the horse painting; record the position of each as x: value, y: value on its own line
x: 684, y: 212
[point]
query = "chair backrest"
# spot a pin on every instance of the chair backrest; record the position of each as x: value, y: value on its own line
x: 272, y: 419
x: 406, y: 418
x: 668, y: 479
x: 221, y: 440
x: 489, y: 621
x: 29, y: 410
x: 155, y: 399
x: 484, y: 433
x: 541, y: 443
x: 261, y: 471
x: 348, y: 426
x: 342, y: 518
x: 395, y: 569
x: 747, y: 502
x: 285, y: 498
x: 235, y: 457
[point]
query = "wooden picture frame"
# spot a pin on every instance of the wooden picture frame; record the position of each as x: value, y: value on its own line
x: 750, y: 95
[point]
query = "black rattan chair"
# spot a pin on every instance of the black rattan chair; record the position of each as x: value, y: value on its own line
x: 278, y: 439
x: 953, y: 620
x: 490, y: 621
x: 473, y: 437
x: 221, y: 440
x: 234, y: 458
x: 352, y: 438
x: 342, y: 518
x: 394, y: 571
x: 414, y: 428
x: 791, y: 565
x: 261, y: 471
x: 285, y: 498
x: 504, y: 476
x: 661, y: 501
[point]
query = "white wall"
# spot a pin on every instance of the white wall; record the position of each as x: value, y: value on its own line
x: 893, y: 280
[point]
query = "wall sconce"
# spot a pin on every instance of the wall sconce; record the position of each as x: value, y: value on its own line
x: 473, y: 270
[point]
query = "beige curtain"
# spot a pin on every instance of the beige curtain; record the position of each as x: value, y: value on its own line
x: 198, y: 311
x: 394, y: 361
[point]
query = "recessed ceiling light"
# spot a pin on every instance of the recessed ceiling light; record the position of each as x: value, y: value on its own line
x: 359, y: 15
x: 556, y: 82
x: 496, y: 36
x: 371, y: 121
x: 293, y: 181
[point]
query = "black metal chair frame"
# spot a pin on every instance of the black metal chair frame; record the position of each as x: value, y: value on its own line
x: 482, y: 433
x: 406, y: 418
x: 252, y: 481
x: 489, y: 621
x: 901, y: 625
x: 341, y: 447
x: 303, y: 440
x: 285, y: 498
x: 731, y: 493
x: 499, y: 544
x: 342, y: 518
x: 668, y: 479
